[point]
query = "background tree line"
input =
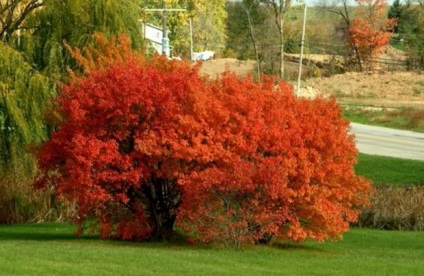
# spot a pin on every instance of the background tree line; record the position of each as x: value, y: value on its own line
x: 409, y: 30
x: 252, y: 32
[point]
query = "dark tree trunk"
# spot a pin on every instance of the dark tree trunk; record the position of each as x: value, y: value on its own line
x: 163, y: 197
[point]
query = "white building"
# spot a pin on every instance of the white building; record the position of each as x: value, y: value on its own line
x: 155, y: 35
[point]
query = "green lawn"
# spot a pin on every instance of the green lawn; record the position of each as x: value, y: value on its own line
x: 51, y: 249
x: 390, y: 171
x: 405, y: 118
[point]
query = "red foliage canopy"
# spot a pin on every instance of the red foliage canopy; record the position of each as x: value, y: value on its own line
x: 147, y: 144
x: 288, y: 171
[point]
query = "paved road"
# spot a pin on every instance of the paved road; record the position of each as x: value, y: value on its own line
x: 388, y: 142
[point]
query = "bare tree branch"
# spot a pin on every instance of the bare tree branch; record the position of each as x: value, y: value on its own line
x: 280, y: 8
x: 12, y: 15
x: 248, y: 11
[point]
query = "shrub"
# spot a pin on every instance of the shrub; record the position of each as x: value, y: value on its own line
x: 292, y: 176
x: 147, y: 143
x: 395, y: 208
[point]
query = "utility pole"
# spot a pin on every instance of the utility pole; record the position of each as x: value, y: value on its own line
x: 165, y: 39
x: 191, y: 40
x: 302, y: 42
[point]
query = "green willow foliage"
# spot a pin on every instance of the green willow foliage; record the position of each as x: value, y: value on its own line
x: 29, y: 72
x: 23, y: 94
x: 75, y: 21
x: 32, y: 64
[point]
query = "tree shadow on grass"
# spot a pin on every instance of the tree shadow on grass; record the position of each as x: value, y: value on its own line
x: 65, y: 232
x: 41, y: 232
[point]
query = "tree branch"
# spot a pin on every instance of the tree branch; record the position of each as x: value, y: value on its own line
x: 12, y: 16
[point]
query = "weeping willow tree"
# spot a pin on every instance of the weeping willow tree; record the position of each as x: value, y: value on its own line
x: 33, y: 60
x: 23, y: 95
x: 75, y: 22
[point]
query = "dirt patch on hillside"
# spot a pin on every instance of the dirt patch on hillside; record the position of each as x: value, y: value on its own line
x: 215, y: 67
x: 389, y: 89
x: 385, y: 89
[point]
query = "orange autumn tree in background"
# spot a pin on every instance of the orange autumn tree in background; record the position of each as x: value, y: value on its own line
x: 147, y: 144
x: 370, y: 31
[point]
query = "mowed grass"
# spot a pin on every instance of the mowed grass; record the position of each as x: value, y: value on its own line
x: 51, y: 249
x: 390, y: 171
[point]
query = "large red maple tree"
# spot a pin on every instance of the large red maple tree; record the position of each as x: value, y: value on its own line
x: 148, y: 144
